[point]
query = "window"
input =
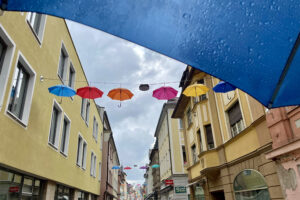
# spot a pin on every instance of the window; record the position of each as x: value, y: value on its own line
x: 201, y: 97
x: 180, y: 124
x: 209, y: 137
x: 81, y: 152
x: 194, y: 154
x: 87, y: 113
x: 65, y: 136
x: 62, y: 67
x: 82, y: 196
x: 71, y: 82
x: 7, y: 48
x: 18, y: 91
x: 93, y: 164
x: 101, y: 140
x: 250, y: 185
x: 63, y: 192
x: 200, y: 140
x: 99, y: 177
x: 37, y: 23
x: 55, y: 124
x: 95, y: 129
x: 17, y: 186
x: 183, y: 155
x: 85, y: 110
x: 3, y: 48
x: 189, y: 116
x: 21, y: 92
x: 235, y: 119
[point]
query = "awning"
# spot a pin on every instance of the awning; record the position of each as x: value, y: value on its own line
x: 191, y: 184
x: 254, y: 45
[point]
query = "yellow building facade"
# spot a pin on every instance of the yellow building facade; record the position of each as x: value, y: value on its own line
x: 171, y: 151
x: 50, y: 146
x: 226, y: 138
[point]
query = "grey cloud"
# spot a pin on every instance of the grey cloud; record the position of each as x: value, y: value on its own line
x: 109, y: 59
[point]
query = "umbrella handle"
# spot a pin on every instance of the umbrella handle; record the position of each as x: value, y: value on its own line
x: 60, y: 102
x: 119, y: 105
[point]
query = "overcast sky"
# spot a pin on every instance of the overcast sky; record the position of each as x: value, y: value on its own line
x: 110, y: 59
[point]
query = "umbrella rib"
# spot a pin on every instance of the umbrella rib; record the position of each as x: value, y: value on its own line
x: 285, y: 71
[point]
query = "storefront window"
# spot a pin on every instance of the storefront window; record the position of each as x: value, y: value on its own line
x: 63, y: 193
x: 199, y: 192
x: 250, y: 185
x: 15, y: 186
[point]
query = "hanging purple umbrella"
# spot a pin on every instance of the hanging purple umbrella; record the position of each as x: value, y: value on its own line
x: 143, y: 167
x: 165, y: 93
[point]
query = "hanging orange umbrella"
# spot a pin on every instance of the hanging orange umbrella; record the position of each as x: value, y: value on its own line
x: 120, y: 94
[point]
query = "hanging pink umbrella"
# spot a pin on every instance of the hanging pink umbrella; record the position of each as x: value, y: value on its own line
x: 165, y: 93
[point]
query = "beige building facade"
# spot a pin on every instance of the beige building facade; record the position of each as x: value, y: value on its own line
x: 171, y: 155
x: 226, y: 138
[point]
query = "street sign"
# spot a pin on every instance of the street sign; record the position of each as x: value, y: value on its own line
x: 169, y: 182
x: 180, y: 189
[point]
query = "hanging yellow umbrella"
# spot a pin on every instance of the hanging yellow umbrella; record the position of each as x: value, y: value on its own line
x: 195, y: 90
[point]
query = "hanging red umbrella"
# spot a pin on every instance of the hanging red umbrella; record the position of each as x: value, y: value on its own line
x: 89, y: 92
x: 127, y: 168
x: 165, y: 93
x: 120, y: 94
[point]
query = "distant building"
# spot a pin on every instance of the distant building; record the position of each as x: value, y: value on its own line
x: 50, y: 146
x: 173, y: 174
x: 110, y: 188
x: 226, y: 141
x: 284, y: 126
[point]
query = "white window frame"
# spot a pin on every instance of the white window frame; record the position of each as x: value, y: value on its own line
x: 58, y: 125
x: 83, y: 108
x: 40, y: 35
x: 79, y: 150
x: 95, y: 129
x: 81, y: 162
x: 66, y: 64
x: 67, y: 137
x: 93, y: 164
x: 7, y: 62
x: 29, y: 93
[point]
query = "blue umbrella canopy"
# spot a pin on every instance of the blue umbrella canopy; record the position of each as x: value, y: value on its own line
x: 115, y: 167
x: 62, y: 91
x: 155, y: 166
x: 223, y: 87
x: 250, y: 44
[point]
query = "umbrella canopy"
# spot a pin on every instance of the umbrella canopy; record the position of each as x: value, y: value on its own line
x: 165, y: 93
x: 62, y: 91
x: 223, y: 87
x: 115, y: 167
x: 89, y: 92
x: 251, y: 45
x: 195, y: 90
x: 155, y: 166
x: 120, y: 94
x: 143, y: 167
x: 127, y: 168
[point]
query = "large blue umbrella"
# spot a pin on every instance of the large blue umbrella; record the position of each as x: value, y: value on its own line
x: 62, y: 91
x: 250, y: 44
x: 223, y: 87
x: 115, y: 167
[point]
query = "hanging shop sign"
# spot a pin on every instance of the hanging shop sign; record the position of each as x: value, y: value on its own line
x: 169, y: 182
x: 180, y: 189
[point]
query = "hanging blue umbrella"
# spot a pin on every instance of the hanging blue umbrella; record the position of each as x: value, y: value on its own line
x: 155, y: 166
x: 62, y: 91
x: 253, y: 45
x: 223, y: 87
x: 115, y: 167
